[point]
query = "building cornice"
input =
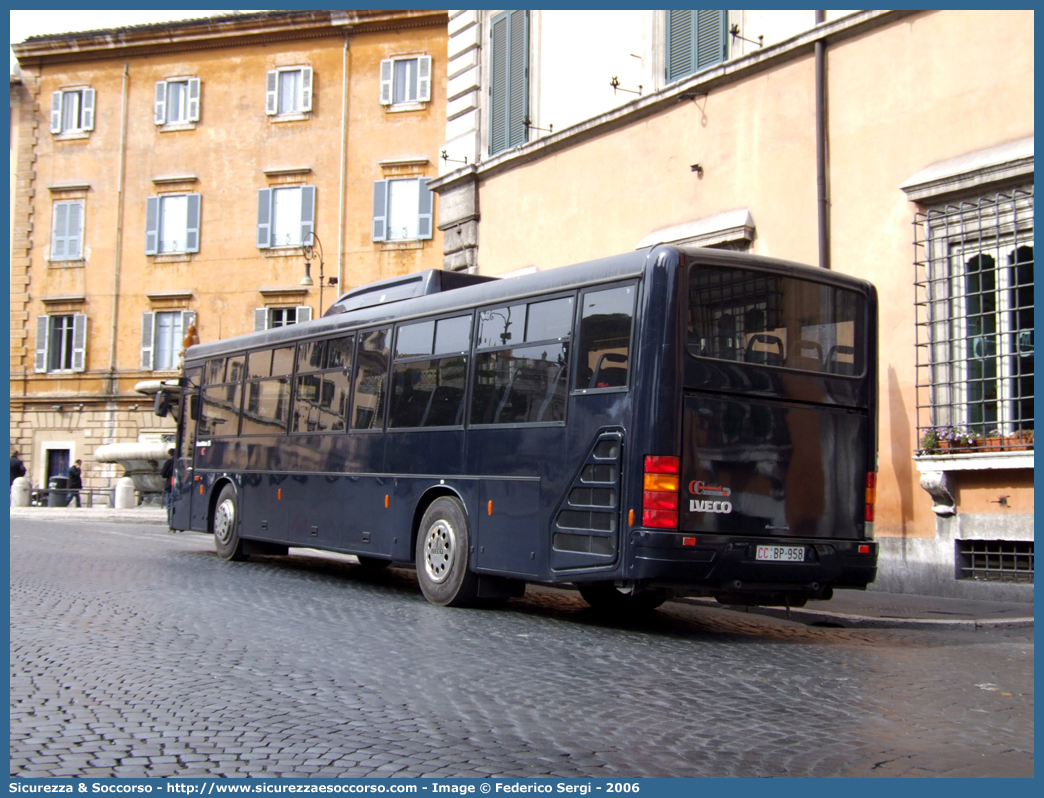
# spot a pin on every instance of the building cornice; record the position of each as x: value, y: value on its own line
x: 201, y: 34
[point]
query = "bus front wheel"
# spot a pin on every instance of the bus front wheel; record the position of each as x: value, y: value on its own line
x: 442, y: 555
x: 225, y: 526
x: 604, y: 597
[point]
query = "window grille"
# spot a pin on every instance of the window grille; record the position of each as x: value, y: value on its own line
x: 995, y: 560
x: 974, y: 311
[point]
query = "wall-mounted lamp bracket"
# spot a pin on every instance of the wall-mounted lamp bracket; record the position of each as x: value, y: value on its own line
x: 734, y: 31
x: 530, y: 126
x: 445, y: 157
x: 697, y: 168
x: 615, y: 83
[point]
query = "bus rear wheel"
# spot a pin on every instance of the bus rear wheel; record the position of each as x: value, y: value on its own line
x: 604, y: 597
x: 225, y: 526
x: 442, y: 555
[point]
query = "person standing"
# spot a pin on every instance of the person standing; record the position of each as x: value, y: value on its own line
x: 167, y: 473
x: 17, y: 466
x: 75, y: 482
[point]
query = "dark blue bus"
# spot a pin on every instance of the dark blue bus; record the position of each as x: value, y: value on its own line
x: 673, y: 421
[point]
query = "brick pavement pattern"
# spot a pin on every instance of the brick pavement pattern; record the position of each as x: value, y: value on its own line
x: 139, y: 653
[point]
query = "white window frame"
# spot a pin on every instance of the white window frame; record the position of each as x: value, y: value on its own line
x: 150, y: 323
x: 190, y: 106
x: 273, y: 93
x: 154, y: 222
x: 264, y: 317
x: 421, y: 64
x: 55, y: 254
x: 84, y: 97
x: 266, y: 217
x: 72, y: 354
x: 383, y: 222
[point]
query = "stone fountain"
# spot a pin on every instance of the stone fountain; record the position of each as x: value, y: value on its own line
x: 142, y: 463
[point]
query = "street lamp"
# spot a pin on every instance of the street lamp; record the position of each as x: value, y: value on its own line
x: 309, y: 253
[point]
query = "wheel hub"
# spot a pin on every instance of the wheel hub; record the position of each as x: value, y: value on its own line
x: 439, y: 547
x: 224, y: 521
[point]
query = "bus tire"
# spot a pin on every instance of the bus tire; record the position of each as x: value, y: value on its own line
x: 443, y: 553
x: 604, y: 597
x: 225, y: 526
x: 372, y: 563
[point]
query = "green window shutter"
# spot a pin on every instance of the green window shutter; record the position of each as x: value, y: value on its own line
x: 152, y: 214
x: 380, y: 210
x: 695, y: 41
x: 509, y: 80
x: 148, y: 332
x: 193, y: 100
x: 79, y: 353
x: 43, y: 324
x: 192, y: 224
x: 710, y: 38
x: 264, y: 219
x: 159, y: 111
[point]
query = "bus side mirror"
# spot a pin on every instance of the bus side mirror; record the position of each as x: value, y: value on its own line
x: 162, y: 404
x: 194, y: 407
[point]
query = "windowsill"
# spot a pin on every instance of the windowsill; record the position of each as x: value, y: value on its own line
x: 297, y: 116
x: 978, y: 461
x: 71, y: 135
x: 296, y: 251
x: 401, y: 245
x: 173, y: 127
x: 171, y: 257
x: 67, y: 264
x: 401, y: 107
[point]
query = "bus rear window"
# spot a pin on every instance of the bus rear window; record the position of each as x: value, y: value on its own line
x: 773, y: 320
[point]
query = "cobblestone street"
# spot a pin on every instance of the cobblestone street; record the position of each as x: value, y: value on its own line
x: 135, y: 652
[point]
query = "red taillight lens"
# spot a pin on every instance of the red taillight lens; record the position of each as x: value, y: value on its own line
x: 662, y: 464
x: 660, y: 492
x: 869, y: 512
x: 864, y: 549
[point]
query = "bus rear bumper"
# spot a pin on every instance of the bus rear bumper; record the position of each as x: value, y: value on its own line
x: 715, y: 563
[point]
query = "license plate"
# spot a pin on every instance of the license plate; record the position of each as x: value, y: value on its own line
x: 781, y: 553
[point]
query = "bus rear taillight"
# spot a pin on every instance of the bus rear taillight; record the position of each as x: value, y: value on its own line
x: 871, y: 500
x: 660, y: 492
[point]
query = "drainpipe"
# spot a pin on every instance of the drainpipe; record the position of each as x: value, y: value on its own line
x: 344, y: 168
x: 821, y: 145
x: 118, y: 256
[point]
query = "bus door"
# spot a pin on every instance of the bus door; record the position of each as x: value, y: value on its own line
x: 182, y: 491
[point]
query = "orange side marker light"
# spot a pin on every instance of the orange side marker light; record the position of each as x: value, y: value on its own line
x: 489, y: 508
x: 385, y: 501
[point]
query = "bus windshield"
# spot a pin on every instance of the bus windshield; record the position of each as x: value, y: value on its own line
x: 771, y: 319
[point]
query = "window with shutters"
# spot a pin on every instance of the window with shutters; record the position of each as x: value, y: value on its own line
x: 61, y: 342
x: 285, y: 216
x: 508, y: 80
x: 162, y: 338
x: 406, y: 82
x: 177, y: 103
x: 270, y: 318
x: 288, y: 92
x: 402, y: 209
x: 67, y: 231
x: 72, y: 112
x: 172, y: 224
x: 695, y: 40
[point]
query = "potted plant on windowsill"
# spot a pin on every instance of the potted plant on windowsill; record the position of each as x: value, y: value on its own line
x: 937, y: 440
x: 1020, y: 441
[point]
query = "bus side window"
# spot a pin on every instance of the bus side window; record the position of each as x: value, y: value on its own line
x: 605, y: 338
x: 371, y: 380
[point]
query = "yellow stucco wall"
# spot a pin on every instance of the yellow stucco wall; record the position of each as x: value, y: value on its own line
x: 901, y: 97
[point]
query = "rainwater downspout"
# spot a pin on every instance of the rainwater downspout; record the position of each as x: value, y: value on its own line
x: 822, y: 198
x: 344, y: 167
x: 118, y: 257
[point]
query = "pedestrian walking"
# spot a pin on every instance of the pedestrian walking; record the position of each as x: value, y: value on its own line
x: 17, y: 466
x: 75, y: 483
x: 167, y: 473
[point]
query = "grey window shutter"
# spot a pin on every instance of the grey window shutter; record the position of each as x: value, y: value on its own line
x: 260, y: 319
x: 304, y: 313
x: 73, y: 229
x: 264, y: 219
x: 193, y: 100
x: 306, y: 89
x: 710, y: 38
x: 148, y: 333
x: 43, y: 325
x: 152, y: 214
x: 79, y: 353
x: 380, y: 210
x: 680, y: 59
x: 387, y: 71
x: 192, y: 224
x: 61, y: 224
x: 188, y: 318
x: 307, y: 214
x: 159, y: 114
x: 424, y: 212
x: 509, y: 80
x: 87, y: 111
x: 56, y: 112
x: 424, y: 78
x: 272, y: 93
